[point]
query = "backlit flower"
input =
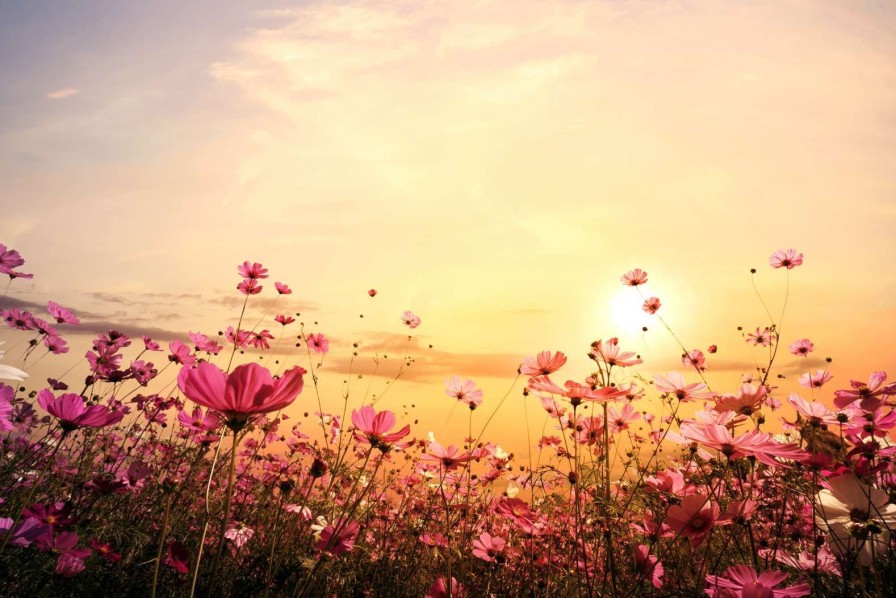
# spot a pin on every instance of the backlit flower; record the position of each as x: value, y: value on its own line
x: 786, y: 258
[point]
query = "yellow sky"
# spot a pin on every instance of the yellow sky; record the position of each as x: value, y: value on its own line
x: 493, y: 166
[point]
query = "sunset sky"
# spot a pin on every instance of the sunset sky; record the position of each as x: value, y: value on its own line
x: 494, y: 167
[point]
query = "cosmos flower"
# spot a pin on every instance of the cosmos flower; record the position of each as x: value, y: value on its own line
x: 872, y: 394
x: 651, y: 305
x: 282, y: 288
x: 742, y: 580
x: 634, y: 277
x: 802, y: 347
x: 62, y: 315
x: 786, y: 258
x: 248, y: 390
x: 693, y: 518
x: 252, y: 271
x: 72, y: 413
x: 410, y: 319
x: 674, y: 383
x: 488, y: 547
x: 319, y: 343
x: 338, y: 542
x: 542, y: 364
x: 374, y: 428
x: 464, y: 391
x: 816, y: 380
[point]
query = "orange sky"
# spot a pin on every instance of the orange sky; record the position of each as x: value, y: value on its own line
x: 492, y: 166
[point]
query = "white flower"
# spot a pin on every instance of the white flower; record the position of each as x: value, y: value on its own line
x: 858, y: 518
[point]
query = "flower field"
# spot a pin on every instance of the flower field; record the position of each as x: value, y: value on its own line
x: 172, y: 469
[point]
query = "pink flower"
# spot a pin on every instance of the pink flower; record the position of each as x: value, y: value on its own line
x: 756, y: 444
x: 763, y: 337
x: 204, y: 343
x: 872, y: 394
x: 651, y: 305
x: 63, y: 315
x: 488, y: 547
x: 248, y: 390
x: 238, y: 338
x: 7, y: 394
x: 619, y: 419
x: 815, y: 413
x: 197, y: 421
x: 786, y: 258
x: 694, y: 359
x: 447, y: 458
x: 319, y: 343
x: 464, y: 391
x: 150, y: 344
x: 56, y: 345
x: 9, y: 259
x: 673, y: 383
x: 260, y: 339
x: 374, y: 428
x: 543, y: 364
x: 338, y: 542
x: 284, y: 320
x: 634, y: 277
x: 741, y: 580
x: 68, y: 565
x: 445, y: 589
x: 609, y: 353
x: 693, y: 518
x: 802, y: 347
x: 249, y: 286
x: 649, y: 566
x: 178, y: 557
x: 282, y: 288
x: 816, y: 380
x: 180, y: 353
x: 72, y: 413
x: 239, y: 534
x: 410, y: 319
x: 143, y: 372
x: 252, y: 271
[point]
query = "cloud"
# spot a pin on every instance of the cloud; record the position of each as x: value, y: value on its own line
x: 65, y: 92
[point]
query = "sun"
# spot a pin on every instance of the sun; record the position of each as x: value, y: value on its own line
x: 626, y: 313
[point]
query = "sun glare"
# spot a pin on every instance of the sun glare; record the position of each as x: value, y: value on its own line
x: 626, y: 313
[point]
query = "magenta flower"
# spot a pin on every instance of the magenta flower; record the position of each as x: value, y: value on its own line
x: 7, y: 394
x: 374, y: 428
x: 283, y: 319
x: 150, y: 344
x: 764, y: 337
x: 72, y: 413
x: 634, y: 277
x: 260, y: 339
x: 282, y: 288
x: 248, y: 390
x: 741, y: 580
x: 786, y: 258
x: 872, y: 394
x: 204, y: 343
x: 180, y: 353
x: 338, y: 542
x: 318, y: 343
x: 63, y: 315
x: 543, y: 364
x: 197, y: 421
x: 178, y: 557
x: 252, y: 271
x: 649, y: 566
x: 249, y: 286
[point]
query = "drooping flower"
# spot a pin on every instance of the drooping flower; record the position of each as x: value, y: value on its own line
x: 786, y: 258
x: 634, y: 277
x: 62, y: 315
x: 742, y: 580
x: 248, y: 390
x: 72, y: 413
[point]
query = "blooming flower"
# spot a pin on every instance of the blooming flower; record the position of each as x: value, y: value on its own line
x: 252, y: 271
x: 609, y: 353
x: 756, y: 444
x: 634, y: 277
x: 858, y: 518
x: 673, y: 383
x: 694, y: 359
x: 63, y: 315
x: 741, y: 580
x: 464, y: 391
x: 816, y: 380
x: 872, y: 394
x: 651, y: 305
x: 764, y: 337
x: 248, y: 390
x: 374, y: 428
x: 410, y: 319
x: 802, y: 347
x: 282, y: 288
x: 786, y: 258
x: 338, y: 537
x: 542, y: 364
x: 447, y: 458
x: 488, y: 547
x: 443, y: 588
x: 239, y: 534
x: 72, y: 413
x: 693, y: 518
x: 649, y: 566
x: 319, y: 343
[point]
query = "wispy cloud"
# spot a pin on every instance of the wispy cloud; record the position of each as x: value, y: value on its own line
x: 65, y: 92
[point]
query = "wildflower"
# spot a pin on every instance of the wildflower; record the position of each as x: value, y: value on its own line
x: 149, y: 344
x: 252, y: 271
x: 741, y: 580
x: 68, y: 565
x: 239, y: 338
x: 373, y: 428
x: 178, y: 557
x: 872, y: 394
x: 858, y: 518
x: 248, y: 390
x: 786, y: 258
x: 372, y: 292
x: 197, y: 421
x: 693, y: 518
x: 282, y: 288
x: 204, y: 343
x: 72, y: 413
x: 747, y: 401
x: 802, y: 347
x: 9, y: 259
x: 55, y: 344
x: 143, y: 372
x: 464, y: 391
x: 816, y: 380
x: 284, y: 320
x: 651, y: 305
x: 180, y: 353
x: 239, y: 534
x: 620, y: 419
x: 763, y: 337
x: 410, y: 319
x: 338, y: 542
x: 543, y: 364
x: 649, y: 566
x: 447, y: 458
x: 488, y: 547
x: 694, y: 359
x: 673, y: 383
x: 249, y: 286
x: 318, y: 343
x: 609, y: 353
x: 7, y: 394
x: 104, y: 550
x: 634, y: 277
x: 750, y: 444
x: 445, y: 589
x: 260, y: 339
x: 816, y: 414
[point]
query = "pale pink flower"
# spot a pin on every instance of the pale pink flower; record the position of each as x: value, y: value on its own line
x: 542, y: 364
x: 634, y: 277
x: 447, y: 458
x: 786, y: 258
x: 674, y: 383
x: 802, y: 347
x: 694, y: 359
x: 608, y: 352
x: 410, y: 319
x: 764, y: 337
x: 239, y: 534
x: 464, y: 391
x: 488, y: 547
x: 651, y: 305
x: 693, y: 518
x: 63, y: 315
x: 748, y: 400
x: 816, y: 414
x: 620, y: 419
x: 756, y: 444
x: 816, y: 380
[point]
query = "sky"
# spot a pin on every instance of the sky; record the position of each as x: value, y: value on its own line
x: 494, y: 167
